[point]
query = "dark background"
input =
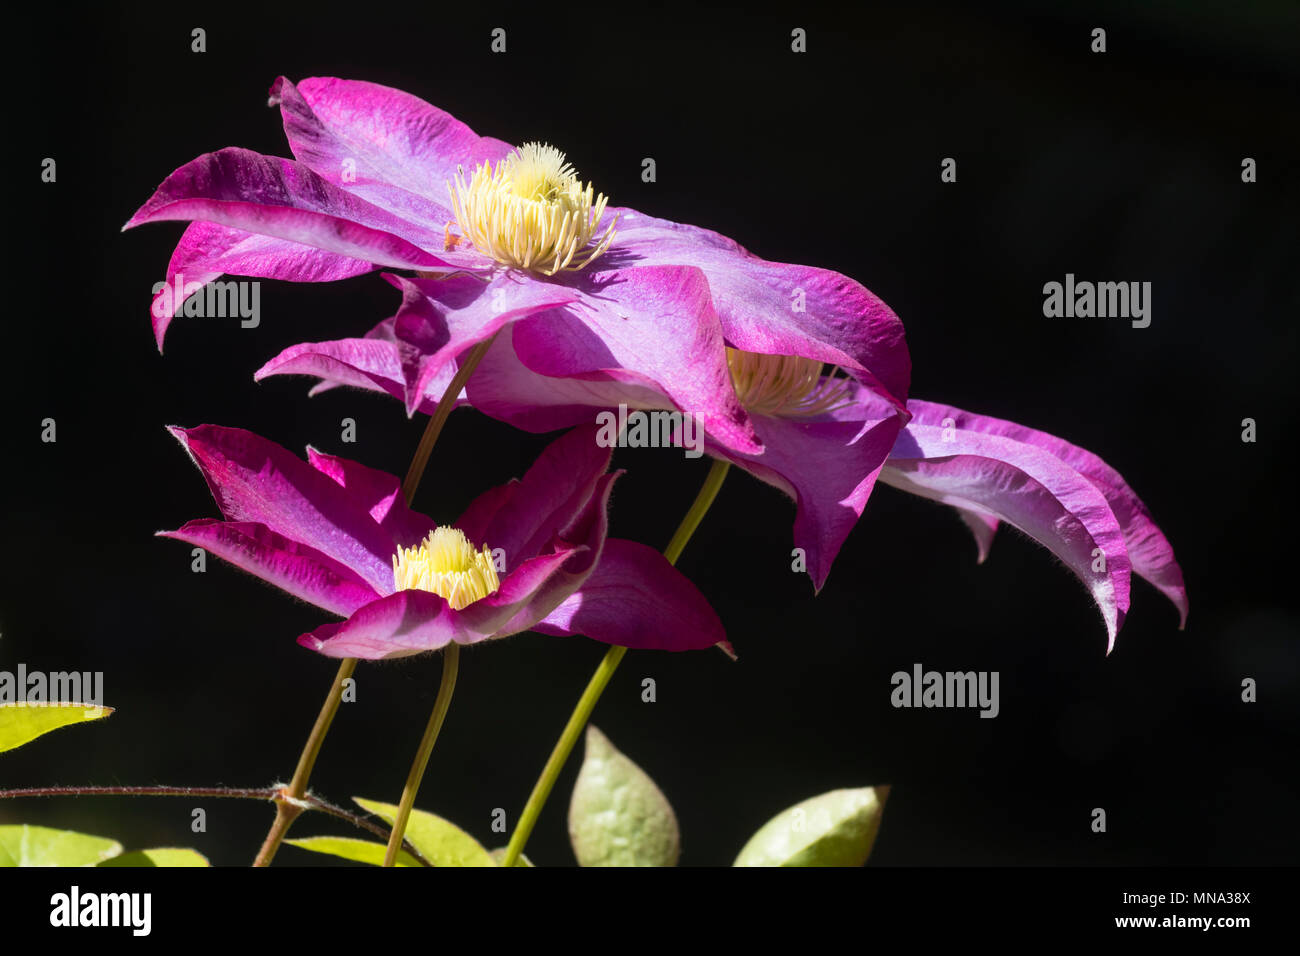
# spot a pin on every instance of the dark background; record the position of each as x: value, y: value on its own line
x: 1122, y: 166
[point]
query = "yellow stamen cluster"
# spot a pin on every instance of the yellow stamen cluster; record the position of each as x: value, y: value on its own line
x: 446, y: 564
x: 531, y: 211
x: 785, y: 386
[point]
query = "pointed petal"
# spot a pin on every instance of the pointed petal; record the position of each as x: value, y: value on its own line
x: 208, y: 251
x: 773, y: 307
x: 635, y: 598
x: 1148, y: 549
x: 1027, y: 487
x: 983, y: 527
x: 552, y: 494
x: 378, y: 492
x: 373, y: 363
x: 382, y: 144
x: 277, y: 197
x: 655, y: 327
x: 828, y: 465
x: 256, y: 480
x: 304, y: 572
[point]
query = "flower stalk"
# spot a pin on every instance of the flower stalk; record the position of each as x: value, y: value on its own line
x: 289, y: 803
x: 600, y: 679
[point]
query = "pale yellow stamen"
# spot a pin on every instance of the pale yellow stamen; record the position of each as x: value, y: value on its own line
x: 785, y: 386
x: 446, y: 564
x: 531, y: 211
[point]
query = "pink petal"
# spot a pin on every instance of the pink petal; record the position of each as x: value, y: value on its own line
x: 653, y: 327
x: 208, y: 251
x: 635, y: 598
x: 841, y: 322
x: 828, y: 465
x: 255, y: 480
x: 399, y: 151
x: 277, y: 197
x: 302, y: 571
x: 1027, y: 487
x: 1148, y: 549
x: 378, y: 492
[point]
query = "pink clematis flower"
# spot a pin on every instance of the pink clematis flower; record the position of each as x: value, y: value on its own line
x: 818, y: 447
x: 382, y: 179
x: 828, y: 440
x: 530, y: 554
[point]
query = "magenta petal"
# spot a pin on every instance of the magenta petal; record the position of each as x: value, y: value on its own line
x: 277, y: 197
x: 440, y: 318
x: 373, y: 363
x: 653, y: 327
x: 777, y: 308
x: 387, y: 146
x: 983, y: 527
x: 378, y: 492
x: 412, y: 622
x: 829, y: 466
x: 635, y: 598
x: 1027, y: 487
x: 302, y: 571
x: 1151, y: 553
x: 208, y: 251
x: 255, y: 480
x: 506, y: 389
x: 553, y: 493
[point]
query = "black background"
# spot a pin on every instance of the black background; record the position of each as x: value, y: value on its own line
x: 1121, y: 166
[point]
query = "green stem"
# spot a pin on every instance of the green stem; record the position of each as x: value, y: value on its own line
x: 450, y: 665
x: 599, y: 680
x: 289, y: 804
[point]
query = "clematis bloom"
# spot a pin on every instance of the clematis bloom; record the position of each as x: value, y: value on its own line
x: 827, y: 441
x: 382, y: 179
x: 530, y: 554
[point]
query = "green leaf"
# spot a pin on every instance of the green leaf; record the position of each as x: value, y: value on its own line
x: 23, y: 845
x: 159, y: 856
x: 834, y: 829
x: 499, y: 854
x: 618, y: 816
x: 350, y: 848
x: 22, y: 722
x: 440, y: 841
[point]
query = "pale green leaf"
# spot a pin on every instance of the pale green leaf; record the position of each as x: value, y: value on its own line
x: 350, y: 848
x: 23, y: 845
x: 159, y: 856
x: 21, y: 722
x: 439, y: 841
x: 834, y: 829
x: 618, y: 816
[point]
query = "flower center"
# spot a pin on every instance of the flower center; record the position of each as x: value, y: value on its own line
x: 446, y: 564
x: 785, y: 386
x: 531, y: 211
